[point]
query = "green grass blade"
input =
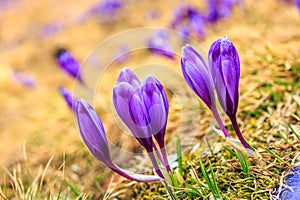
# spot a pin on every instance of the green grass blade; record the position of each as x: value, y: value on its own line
x: 214, y: 179
x: 207, y: 179
x: 72, y: 187
x: 293, y: 131
x: 274, y: 155
x: 179, y: 156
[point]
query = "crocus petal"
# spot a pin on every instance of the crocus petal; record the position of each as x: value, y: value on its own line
x: 122, y: 93
x: 68, y: 63
x: 156, y: 103
x: 68, y: 97
x: 127, y: 76
x: 92, y: 131
x: 225, y: 67
x: 197, y: 75
x: 139, y: 115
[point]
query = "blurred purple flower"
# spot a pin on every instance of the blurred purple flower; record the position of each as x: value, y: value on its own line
x: 298, y: 4
x: 25, y: 80
x: 51, y: 29
x: 212, y: 11
x: 68, y: 97
x: 190, y: 18
x: 69, y: 64
x: 93, y: 135
x: 217, y: 9
x: 107, y: 10
x: 122, y: 54
x: 160, y: 44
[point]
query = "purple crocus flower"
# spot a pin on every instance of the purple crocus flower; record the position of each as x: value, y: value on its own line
x: 68, y: 63
x: 159, y: 44
x: 143, y: 107
x: 93, y: 135
x: 25, y: 80
x: 198, y: 77
x: 225, y: 68
x: 298, y: 4
x: 68, y: 97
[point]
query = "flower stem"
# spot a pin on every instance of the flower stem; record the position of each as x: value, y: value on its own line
x: 158, y: 153
x: 238, y: 132
x: 133, y: 176
x: 218, y: 118
x: 165, y: 157
x: 155, y: 165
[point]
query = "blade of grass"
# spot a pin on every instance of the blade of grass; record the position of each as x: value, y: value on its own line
x: 174, y: 181
x: 170, y: 192
x: 179, y: 156
x: 214, y: 179
x: 274, y: 155
x: 72, y: 187
x: 212, y: 187
x: 293, y: 131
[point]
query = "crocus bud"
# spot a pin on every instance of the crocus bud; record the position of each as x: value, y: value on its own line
x: 68, y: 97
x: 68, y: 63
x: 142, y: 107
x: 127, y: 101
x: 93, y: 135
x: 156, y: 102
x: 225, y: 68
x: 92, y: 131
x: 197, y: 75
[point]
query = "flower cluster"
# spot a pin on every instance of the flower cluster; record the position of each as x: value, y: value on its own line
x: 221, y: 74
x: 143, y: 107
